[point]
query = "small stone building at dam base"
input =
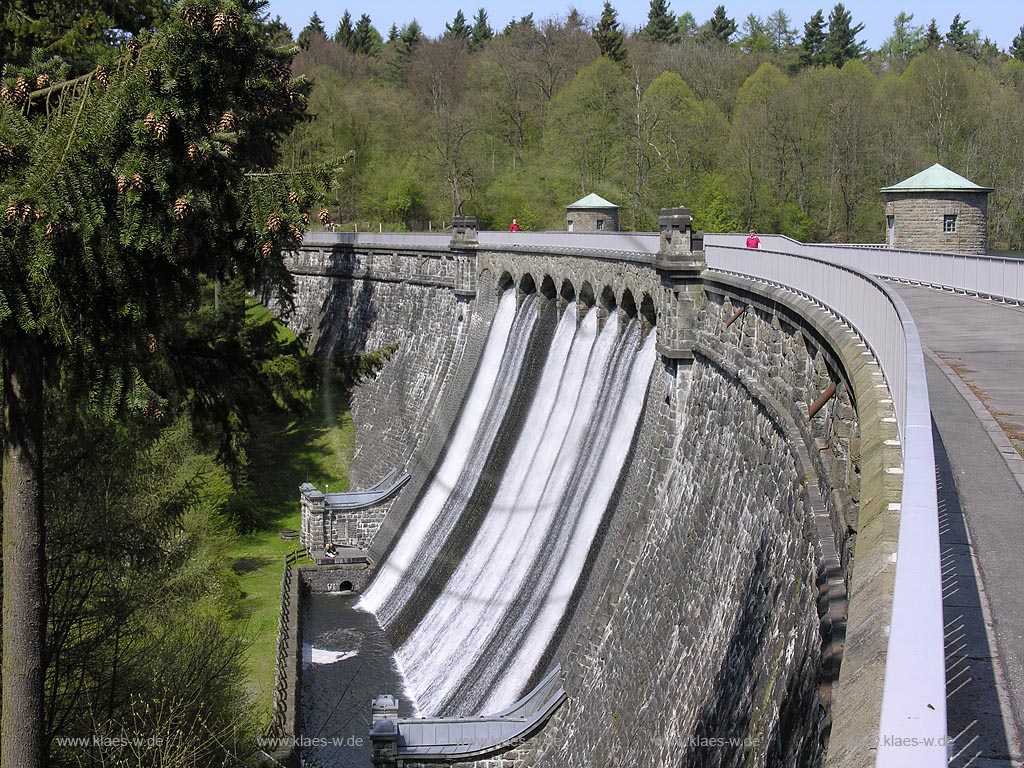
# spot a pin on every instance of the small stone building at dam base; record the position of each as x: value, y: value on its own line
x: 755, y: 495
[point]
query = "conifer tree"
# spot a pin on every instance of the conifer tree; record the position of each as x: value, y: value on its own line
x: 720, y: 26
x: 343, y: 34
x: 958, y: 38
x: 609, y: 36
x: 1017, y: 46
x: 481, y: 31
x: 932, y: 36
x: 661, y: 23
x: 365, y: 38
x: 123, y: 191
x: 315, y: 26
x: 813, y: 42
x: 393, y: 33
x: 458, y: 28
x: 841, y: 43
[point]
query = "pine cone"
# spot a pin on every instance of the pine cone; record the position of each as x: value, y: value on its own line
x: 21, y: 88
x: 42, y: 80
x: 150, y: 122
x: 12, y: 211
x: 6, y: 153
x: 137, y: 181
x: 181, y: 208
x: 151, y: 346
x: 194, y: 151
x: 305, y: 219
x: 220, y: 23
x: 122, y: 183
x: 294, y: 231
x: 267, y: 248
x: 194, y: 14
x: 102, y: 75
x: 227, y: 121
x: 162, y: 126
x: 325, y: 217
x: 293, y: 197
x: 274, y: 222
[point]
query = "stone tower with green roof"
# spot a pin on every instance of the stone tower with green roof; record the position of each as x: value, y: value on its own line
x: 592, y: 214
x: 937, y: 210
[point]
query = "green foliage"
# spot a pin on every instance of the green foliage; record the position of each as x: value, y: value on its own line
x: 481, y: 31
x: 343, y: 34
x: 841, y: 43
x: 458, y: 27
x: 609, y: 35
x: 1017, y: 45
x: 812, y: 45
x: 143, y: 633
x: 661, y: 23
x: 720, y: 27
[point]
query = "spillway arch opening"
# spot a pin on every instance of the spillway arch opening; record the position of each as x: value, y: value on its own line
x: 505, y: 282
x: 586, y: 300
x: 527, y: 286
x: 606, y: 304
x: 566, y: 296
x: 648, y: 314
x: 548, y: 293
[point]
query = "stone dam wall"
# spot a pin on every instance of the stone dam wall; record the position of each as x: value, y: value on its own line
x: 714, y: 606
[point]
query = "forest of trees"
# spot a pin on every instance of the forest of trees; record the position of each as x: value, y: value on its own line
x: 769, y: 122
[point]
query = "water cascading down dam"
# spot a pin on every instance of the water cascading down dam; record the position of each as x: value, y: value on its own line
x: 474, y: 590
x: 623, y: 467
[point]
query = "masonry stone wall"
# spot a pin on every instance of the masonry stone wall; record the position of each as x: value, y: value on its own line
x: 918, y: 224
x: 715, y: 601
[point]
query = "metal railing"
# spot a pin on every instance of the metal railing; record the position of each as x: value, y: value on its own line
x: 914, y: 693
x: 995, y: 277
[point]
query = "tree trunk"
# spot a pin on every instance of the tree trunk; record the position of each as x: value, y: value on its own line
x: 24, y: 612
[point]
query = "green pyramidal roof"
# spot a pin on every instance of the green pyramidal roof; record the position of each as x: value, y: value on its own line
x: 936, y: 179
x: 592, y: 201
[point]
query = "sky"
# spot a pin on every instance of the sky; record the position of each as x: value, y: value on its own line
x: 993, y: 19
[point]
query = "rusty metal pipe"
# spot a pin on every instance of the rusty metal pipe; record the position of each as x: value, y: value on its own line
x: 735, y: 316
x: 823, y: 398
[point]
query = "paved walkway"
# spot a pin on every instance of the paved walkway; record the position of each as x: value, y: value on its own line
x: 975, y: 371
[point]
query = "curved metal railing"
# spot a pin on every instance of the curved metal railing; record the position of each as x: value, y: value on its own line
x: 914, y: 694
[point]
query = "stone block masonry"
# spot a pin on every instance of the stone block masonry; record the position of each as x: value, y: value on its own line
x: 712, y: 620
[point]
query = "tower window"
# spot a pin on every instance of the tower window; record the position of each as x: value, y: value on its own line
x: 949, y: 222
x: 600, y: 223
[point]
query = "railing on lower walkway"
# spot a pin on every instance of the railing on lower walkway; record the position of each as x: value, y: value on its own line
x: 914, y: 694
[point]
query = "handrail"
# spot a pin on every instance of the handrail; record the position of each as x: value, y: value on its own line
x: 996, y: 277
x: 914, y: 695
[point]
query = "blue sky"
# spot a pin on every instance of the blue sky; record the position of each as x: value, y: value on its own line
x: 993, y: 19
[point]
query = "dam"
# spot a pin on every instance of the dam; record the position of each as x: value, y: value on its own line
x: 663, y: 479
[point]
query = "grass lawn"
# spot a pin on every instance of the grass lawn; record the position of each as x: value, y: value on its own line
x: 287, y: 452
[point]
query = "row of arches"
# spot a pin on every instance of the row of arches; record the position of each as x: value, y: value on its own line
x: 564, y: 292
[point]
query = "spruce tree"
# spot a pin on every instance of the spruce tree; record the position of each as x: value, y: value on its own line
x: 609, y: 36
x: 720, y: 27
x: 661, y: 23
x: 958, y: 38
x: 1017, y: 46
x: 365, y: 38
x: 343, y: 34
x: 458, y: 27
x: 481, y: 31
x: 813, y: 42
x: 932, y: 36
x: 841, y: 43
x: 314, y: 27
x: 124, y: 191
